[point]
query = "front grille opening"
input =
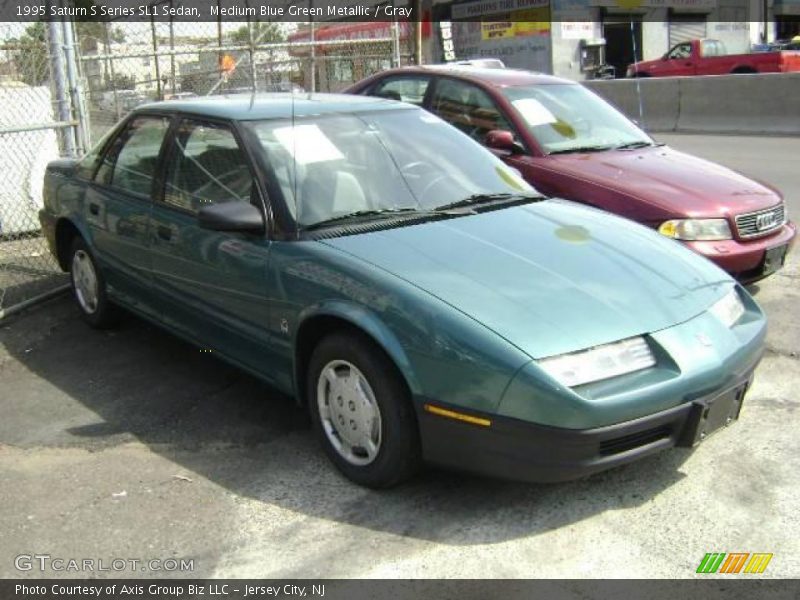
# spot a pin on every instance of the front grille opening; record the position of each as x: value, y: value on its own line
x: 634, y: 440
x: 752, y: 224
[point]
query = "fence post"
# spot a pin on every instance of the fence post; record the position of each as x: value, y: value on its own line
x: 172, y: 51
x: 418, y: 32
x: 56, y: 53
x: 113, y: 83
x: 160, y: 96
x: 75, y: 91
x: 252, y: 53
x: 396, y: 43
x: 220, y: 72
x: 313, y: 53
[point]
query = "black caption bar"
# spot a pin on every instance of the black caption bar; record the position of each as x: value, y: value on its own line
x: 206, y: 10
x: 708, y: 588
x: 322, y: 11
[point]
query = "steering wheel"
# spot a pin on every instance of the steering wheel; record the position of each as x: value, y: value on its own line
x: 226, y: 186
x: 414, y: 165
x: 407, y: 170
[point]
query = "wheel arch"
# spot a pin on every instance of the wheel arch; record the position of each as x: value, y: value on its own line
x: 322, y: 320
x: 65, y: 231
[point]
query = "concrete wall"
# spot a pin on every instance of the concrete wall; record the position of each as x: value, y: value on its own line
x: 761, y: 103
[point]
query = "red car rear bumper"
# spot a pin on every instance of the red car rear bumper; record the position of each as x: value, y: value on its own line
x: 744, y: 259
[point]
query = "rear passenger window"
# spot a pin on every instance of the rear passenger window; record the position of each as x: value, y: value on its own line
x: 206, y: 166
x: 131, y: 161
x: 406, y: 89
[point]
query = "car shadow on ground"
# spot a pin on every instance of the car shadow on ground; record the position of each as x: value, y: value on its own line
x: 753, y: 289
x: 223, y: 425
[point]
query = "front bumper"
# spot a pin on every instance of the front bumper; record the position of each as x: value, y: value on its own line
x: 519, y: 450
x: 744, y: 259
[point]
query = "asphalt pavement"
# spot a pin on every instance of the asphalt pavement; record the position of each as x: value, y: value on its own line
x: 130, y: 444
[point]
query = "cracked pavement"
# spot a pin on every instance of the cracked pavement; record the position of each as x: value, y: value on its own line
x: 132, y: 444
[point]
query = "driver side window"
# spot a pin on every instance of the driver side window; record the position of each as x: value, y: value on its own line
x: 206, y: 166
x: 468, y: 108
x: 680, y: 51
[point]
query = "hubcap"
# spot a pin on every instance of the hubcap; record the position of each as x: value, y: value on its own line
x: 349, y: 412
x: 84, y: 279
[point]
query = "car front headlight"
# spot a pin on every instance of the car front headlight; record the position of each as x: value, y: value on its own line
x: 729, y: 308
x: 600, y: 362
x: 690, y: 230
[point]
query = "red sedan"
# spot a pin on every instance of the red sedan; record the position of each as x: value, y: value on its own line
x: 568, y: 142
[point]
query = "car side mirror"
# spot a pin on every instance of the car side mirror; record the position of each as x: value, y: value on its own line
x: 231, y: 216
x: 502, y: 140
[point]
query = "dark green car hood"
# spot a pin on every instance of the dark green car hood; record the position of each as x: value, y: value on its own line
x: 549, y: 277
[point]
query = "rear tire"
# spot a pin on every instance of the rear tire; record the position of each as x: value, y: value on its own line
x: 361, y: 411
x: 89, y: 287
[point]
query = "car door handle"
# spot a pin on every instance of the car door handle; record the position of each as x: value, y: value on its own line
x: 94, y: 208
x: 165, y: 233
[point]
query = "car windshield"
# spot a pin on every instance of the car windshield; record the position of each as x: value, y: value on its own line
x: 569, y: 118
x: 377, y: 162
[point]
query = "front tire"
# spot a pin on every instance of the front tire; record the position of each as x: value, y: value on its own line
x: 361, y: 411
x: 89, y: 287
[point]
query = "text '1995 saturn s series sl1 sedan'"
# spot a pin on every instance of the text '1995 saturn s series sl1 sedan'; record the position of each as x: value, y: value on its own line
x: 420, y: 298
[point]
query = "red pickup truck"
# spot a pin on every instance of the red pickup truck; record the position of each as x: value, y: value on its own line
x: 708, y: 57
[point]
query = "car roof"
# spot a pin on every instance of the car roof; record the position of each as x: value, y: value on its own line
x: 496, y: 77
x: 247, y: 107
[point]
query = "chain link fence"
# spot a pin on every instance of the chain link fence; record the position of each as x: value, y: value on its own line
x: 64, y: 85
x: 125, y: 65
x: 29, y: 139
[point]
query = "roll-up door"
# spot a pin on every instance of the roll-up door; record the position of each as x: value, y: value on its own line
x: 685, y: 28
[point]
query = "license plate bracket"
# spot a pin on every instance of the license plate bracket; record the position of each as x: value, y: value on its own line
x: 774, y: 258
x: 709, y: 415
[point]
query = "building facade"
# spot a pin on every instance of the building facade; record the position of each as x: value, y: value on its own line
x: 572, y: 38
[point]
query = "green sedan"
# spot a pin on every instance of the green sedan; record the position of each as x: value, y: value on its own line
x: 413, y: 292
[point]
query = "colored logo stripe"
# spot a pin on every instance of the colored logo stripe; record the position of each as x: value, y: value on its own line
x: 711, y: 562
x: 734, y: 562
x: 714, y: 562
x: 758, y: 563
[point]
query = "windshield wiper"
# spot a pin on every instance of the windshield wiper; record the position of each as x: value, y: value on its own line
x: 380, y: 212
x: 482, y: 198
x: 577, y: 149
x: 633, y: 145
